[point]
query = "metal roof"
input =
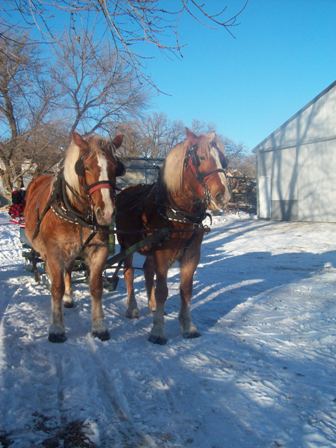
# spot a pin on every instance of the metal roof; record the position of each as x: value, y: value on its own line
x: 316, y: 98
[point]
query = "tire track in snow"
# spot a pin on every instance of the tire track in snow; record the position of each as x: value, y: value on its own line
x: 115, y: 402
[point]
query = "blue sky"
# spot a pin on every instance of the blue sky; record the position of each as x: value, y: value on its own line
x: 284, y: 54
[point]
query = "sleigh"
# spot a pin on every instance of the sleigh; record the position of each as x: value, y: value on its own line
x: 115, y: 260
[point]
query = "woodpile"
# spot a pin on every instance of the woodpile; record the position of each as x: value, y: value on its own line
x: 243, y: 192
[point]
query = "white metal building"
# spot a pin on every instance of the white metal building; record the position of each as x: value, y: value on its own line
x: 296, y: 164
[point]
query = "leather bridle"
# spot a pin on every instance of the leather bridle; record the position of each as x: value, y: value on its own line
x: 91, y: 188
x: 193, y: 161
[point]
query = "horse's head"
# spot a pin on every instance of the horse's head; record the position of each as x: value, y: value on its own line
x: 207, y: 163
x: 95, y: 166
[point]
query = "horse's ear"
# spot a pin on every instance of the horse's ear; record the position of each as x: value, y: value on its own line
x: 117, y: 141
x: 212, y: 136
x: 78, y: 140
x: 191, y: 137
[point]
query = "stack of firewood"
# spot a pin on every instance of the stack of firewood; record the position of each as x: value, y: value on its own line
x: 243, y: 192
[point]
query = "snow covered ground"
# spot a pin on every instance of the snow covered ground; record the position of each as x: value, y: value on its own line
x: 261, y: 375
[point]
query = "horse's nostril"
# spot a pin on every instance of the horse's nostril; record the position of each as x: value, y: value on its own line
x: 98, y: 212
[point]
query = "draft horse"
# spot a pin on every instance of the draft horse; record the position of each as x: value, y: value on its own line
x: 191, y: 181
x: 68, y: 215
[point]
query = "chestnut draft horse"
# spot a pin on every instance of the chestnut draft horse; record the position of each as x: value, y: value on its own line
x: 191, y: 180
x: 68, y: 215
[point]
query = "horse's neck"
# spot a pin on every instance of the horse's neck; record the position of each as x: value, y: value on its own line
x: 184, y: 198
x: 185, y: 201
x: 76, y: 199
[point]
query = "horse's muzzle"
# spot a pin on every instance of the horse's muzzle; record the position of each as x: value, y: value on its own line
x: 104, y: 217
x: 220, y: 201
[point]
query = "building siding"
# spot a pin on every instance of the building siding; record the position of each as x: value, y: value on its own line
x: 297, y: 165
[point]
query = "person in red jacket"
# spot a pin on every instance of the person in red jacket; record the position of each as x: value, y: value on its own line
x: 16, y: 209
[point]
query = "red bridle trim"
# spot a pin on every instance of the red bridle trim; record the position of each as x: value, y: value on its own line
x: 98, y: 186
x: 195, y: 172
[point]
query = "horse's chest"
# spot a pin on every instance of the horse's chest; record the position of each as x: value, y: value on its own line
x: 71, y: 249
x: 68, y: 242
x: 176, y: 249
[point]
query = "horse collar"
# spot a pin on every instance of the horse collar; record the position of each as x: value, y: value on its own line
x: 180, y: 216
x: 62, y: 207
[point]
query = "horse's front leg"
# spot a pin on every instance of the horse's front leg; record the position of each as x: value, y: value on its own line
x: 132, y: 310
x: 188, y: 266
x: 97, y: 260
x: 67, y: 297
x: 56, y: 329
x: 157, y: 335
x: 149, y: 280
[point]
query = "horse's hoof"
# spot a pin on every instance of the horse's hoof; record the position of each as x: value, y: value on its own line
x: 68, y: 304
x: 157, y: 340
x: 191, y: 334
x: 102, y: 335
x: 154, y: 310
x: 133, y: 314
x: 56, y: 337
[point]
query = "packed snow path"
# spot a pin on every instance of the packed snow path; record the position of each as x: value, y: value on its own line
x: 261, y: 375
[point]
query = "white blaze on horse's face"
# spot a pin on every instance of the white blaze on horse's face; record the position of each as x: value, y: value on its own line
x: 215, y: 155
x: 105, y: 213
x: 219, y: 201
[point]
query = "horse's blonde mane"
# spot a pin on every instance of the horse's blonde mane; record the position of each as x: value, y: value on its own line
x: 173, y: 168
x: 96, y: 143
x: 71, y: 157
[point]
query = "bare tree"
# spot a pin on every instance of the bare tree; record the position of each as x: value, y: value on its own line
x: 151, y: 136
x: 132, y: 145
x: 96, y: 89
x: 160, y: 134
x: 129, y: 23
x: 25, y: 101
x: 155, y: 135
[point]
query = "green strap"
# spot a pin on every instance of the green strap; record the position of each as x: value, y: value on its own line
x: 159, y: 237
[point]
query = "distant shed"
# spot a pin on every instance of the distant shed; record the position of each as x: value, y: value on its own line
x: 296, y: 164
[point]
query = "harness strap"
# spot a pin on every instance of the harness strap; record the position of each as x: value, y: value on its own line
x: 88, y: 239
x: 67, y: 213
x: 70, y: 213
x: 176, y: 215
x: 51, y: 199
x: 40, y: 219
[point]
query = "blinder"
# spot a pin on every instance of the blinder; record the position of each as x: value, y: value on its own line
x: 79, y: 167
x: 90, y: 189
x: 120, y: 170
x: 194, y: 156
x: 223, y: 160
x: 196, y: 162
